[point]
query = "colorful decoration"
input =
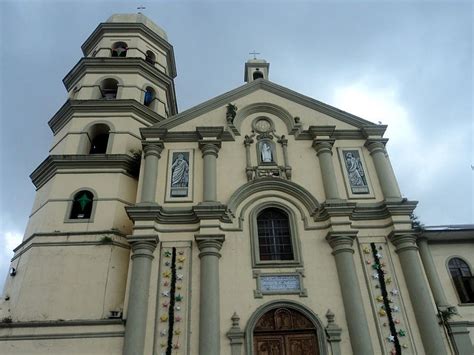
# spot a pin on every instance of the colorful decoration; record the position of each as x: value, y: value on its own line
x: 165, y: 293
x: 378, y: 255
x: 181, y: 259
x: 165, y: 304
x: 394, y: 292
x: 176, y: 346
x: 167, y: 263
x: 179, y: 277
x: 375, y: 275
x: 179, y: 298
x: 388, y: 280
x: 167, y: 274
x: 396, y: 321
x: 177, y: 319
x: 379, y: 298
x: 163, y: 332
x: 167, y: 254
x: 163, y: 344
x: 405, y: 346
x: 395, y: 309
x: 178, y: 308
x: 366, y: 250
x: 391, y: 338
x: 402, y: 333
x: 368, y: 262
x: 164, y: 317
x: 181, y: 252
x: 166, y: 283
x: 393, y: 351
x: 179, y: 287
x: 177, y: 331
x: 382, y: 313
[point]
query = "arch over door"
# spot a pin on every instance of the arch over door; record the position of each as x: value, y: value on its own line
x: 285, y: 331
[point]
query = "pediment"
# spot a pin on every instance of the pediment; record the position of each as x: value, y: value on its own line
x: 297, y: 111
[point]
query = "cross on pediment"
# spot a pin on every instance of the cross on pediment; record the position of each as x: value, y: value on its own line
x: 254, y: 54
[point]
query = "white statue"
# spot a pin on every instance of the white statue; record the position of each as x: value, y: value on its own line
x: 266, y: 153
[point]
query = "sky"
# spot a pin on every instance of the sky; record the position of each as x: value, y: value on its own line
x: 408, y: 64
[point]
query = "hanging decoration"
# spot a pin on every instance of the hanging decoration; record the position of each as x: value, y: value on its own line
x: 172, y: 296
x: 386, y: 300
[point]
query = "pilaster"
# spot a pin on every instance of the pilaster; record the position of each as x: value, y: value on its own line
x: 210, y: 150
x: 135, y: 328
x: 384, y: 170
x: 209, y: 303
x: 341, y: 243
x: 323, y: 149
x: 405, y: 243
x: 152, y: 152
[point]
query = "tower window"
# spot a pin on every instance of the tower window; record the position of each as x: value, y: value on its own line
x: 149, y: 96
x: 463, y: 279
x: 274, y: 235
x: 108, y: 89
x: 150, y: 57
x: 119, y: 49
x: 257, y: 74
x: 99, y: 138
x: 82, y: 205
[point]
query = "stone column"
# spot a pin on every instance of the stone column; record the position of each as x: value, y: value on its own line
x: 209, y: 155
x: 387, y: 179
x: 341, y: 243
x: 323, y: 149
x: 420, y: 296
x: 209, y: 305
x: 431, y: 273
x: 152, y: 152
x: 284, y: 145
x: 135, y: 326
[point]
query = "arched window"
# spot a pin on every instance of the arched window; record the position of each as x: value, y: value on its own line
x: 463, y: 279
x: 109, y: 88
x: 149, y: 96
x: 274, y: 235
x: 150, y: 57
x: 257, y: 74
x: 82, y: 205
x: 119, y: 49
x: 99, y: 138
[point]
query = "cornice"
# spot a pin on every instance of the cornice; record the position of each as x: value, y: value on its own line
x: 126, y: 27
x: 460, y: 235
x: 62, y: 323
x: 180, y: 136
x: 50, y: 166
x: 271, y: 87
x: 116, y: 66
x: 70, y: 107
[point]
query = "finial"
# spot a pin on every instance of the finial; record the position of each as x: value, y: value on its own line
x: 330, y: 316
x: 254, y: 54
x: 235, y: 320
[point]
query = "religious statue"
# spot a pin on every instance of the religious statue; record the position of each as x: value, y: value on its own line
x: 266, y: 152
x: 355, y: 170
x: 180, y: 172
x: 231, y: 112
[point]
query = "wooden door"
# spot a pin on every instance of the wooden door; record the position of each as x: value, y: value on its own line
x: 285, y: 331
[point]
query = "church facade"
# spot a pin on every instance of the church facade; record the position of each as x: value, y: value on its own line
x: 259, y: 222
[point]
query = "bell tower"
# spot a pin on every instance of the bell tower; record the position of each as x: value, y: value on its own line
x: 256, y: 69
x: 74, y: 256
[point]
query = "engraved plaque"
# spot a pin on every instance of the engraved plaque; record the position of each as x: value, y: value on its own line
x: 280, y: 283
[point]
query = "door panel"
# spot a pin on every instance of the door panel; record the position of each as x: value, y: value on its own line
x: 269, y: 345
x: 301, y: 344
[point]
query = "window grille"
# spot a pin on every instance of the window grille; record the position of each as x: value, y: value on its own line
x: 274, y: 236
x: 463, y: 279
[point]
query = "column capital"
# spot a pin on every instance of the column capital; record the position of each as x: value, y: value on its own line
x: 404, y: 240
x: 152, y: 148
x: 210, y: 147
x: 376, y: 145
x: 209, y: 244
x: 143, y: 246
x: 323, y: 145
x: 248, y: 140
x: 341, y: 241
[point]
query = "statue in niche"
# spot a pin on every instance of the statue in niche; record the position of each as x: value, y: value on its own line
x: 180, y: 175
x: 266, y: 152
x: 356, y: 173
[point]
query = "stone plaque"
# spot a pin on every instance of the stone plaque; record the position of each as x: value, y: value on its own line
x: 280, y: 283
x: 355, y: 172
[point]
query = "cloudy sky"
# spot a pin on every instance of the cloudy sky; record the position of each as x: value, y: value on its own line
x: 408, y: 64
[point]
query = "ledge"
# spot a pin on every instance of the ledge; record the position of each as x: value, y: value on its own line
x: 50, y: 166
x: 62, y: 323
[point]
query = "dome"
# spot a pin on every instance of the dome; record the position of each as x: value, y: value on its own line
x: 138, y: 18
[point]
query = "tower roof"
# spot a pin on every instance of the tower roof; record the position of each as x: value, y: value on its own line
x: 138, y: 18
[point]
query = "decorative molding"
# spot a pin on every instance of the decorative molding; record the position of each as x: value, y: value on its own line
x: 264, y: 184
x: 81, y: 335
x: 53, y: 163
x: 111, y: 107
x: 62, y: 323
x: 271, y: 87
